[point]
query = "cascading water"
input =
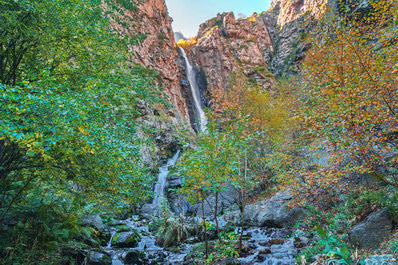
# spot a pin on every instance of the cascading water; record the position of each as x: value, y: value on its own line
x: 195, y: 93
x: 162, y: 179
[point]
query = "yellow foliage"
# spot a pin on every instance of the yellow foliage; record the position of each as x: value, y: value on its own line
x: 187, y: 44
x: 252, y: 18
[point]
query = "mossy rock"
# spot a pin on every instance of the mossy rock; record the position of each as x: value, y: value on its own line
x: 126, y: 239
x: 134, y: 257
x: 98, y: 258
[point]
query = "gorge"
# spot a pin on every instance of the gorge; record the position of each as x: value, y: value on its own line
x: 266, y: 140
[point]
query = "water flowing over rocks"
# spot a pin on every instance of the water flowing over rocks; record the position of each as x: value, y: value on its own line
x: 154, y: 209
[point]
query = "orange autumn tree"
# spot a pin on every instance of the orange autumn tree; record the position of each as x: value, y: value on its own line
x: 348, y: 85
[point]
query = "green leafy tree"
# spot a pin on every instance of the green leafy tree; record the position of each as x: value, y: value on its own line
x: 69, y: 102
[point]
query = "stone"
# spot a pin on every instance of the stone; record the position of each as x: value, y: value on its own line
x: 98, y: 258
x: 225, y: 200
x: 95, y: 221
x: 126, y: 239
x: 276, y: 241
x: 273, y: 212
x: 134, y: 257
x: 149, y: 211
x: 373, y: 230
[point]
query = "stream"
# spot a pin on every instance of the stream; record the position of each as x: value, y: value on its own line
x: 263, y: 246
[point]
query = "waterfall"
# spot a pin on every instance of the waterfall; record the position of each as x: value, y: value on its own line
x: 162, y: 179
x: 195, y: 93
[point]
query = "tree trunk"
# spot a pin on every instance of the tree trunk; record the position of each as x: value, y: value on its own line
x: 204, y: 228
x: 242, y: 214
x: 215, y: 215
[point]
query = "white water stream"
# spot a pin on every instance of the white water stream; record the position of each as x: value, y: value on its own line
x: 162, y: 179
x: 195, y: 93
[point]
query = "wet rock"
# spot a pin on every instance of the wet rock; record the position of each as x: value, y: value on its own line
x: 276, y: 241
x: 228, y: 261
x: 381, y: 260
x: 265, y: 251
x: 95, y: 221
x: 98, y: 258
x: 126, y: 239
x: 134, y: 258
x: 373, y: 230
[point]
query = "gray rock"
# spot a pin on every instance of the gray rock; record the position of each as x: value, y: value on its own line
x: 373, y: 230
x: 273, y: 212
x: 225, y: 200
x: 126, y: 239
x: 98, y: 258
x: 95, y: 221
x: 150, y: 211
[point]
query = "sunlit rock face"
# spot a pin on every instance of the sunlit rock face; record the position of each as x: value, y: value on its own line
x: 260, y: 47
x: 158, y: 51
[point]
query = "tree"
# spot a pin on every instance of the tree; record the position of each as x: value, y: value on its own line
x: 348, y: 89
x: 68, y: 102
x: 206, y: 169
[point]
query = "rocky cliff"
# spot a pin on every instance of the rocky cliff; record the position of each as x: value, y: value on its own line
x: 158, y: 50
x: 261, y: 46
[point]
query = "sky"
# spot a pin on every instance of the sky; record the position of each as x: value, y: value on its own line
x: 189, y: 14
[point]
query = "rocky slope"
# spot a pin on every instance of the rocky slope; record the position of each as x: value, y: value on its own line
x: 260, y: 46
x: 158, y: 50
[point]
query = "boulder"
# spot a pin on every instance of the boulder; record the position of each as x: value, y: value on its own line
x: 225, y: 200
x: 150, y: 211
x: 373, y: 230
x: 98, y: 258
x: 95, y: 221
x: 134, y: 257
x: 273, y: 212
x: 126, y: 239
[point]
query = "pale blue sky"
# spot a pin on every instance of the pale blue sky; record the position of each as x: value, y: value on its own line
x: 189, y: 14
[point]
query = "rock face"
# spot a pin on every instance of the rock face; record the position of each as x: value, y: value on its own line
x: 158, y: 51
x: 293, y: 9
x: 273, y: 212
x: 373, y: 230
x: 259, y: 46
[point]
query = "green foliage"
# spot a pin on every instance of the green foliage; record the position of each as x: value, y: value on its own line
x: 68, y: 112
x: 334, y: 247
x: 225, y: 247
x: 47, y: 227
